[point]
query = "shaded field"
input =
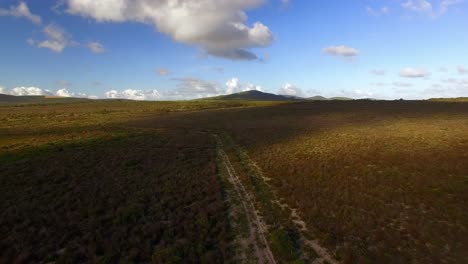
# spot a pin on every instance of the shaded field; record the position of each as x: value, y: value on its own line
x: 373, y: 181
x: 79, y: 184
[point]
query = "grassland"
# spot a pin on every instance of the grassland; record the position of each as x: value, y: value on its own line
x: 120, y: 181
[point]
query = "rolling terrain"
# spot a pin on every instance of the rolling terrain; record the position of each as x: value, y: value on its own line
x: 234, y: 181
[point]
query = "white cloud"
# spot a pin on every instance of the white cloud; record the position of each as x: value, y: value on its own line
x: 357, y: 93
x: 2, y: 90
x: 417, y: 5
x: 96, y: 47
x: 378, y: 11
x: 234, y: 85
x: 290, y: 90
x: 36, y: 91
x: 196, y: 87
x: 66, y: 93
x: 378, y: 72
x: 218, y: 27
x: 57, y: 39
x: 414, y: 73
x: 134, y: 94
x: 21, y: 11
x: 21, y: 91
x: 344, y: 51
x: 462, y: 70
x: 452, y: 88
x: 427, y: 7
x: 186, y: 88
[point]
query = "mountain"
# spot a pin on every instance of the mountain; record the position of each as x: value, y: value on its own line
x: 254, y: 96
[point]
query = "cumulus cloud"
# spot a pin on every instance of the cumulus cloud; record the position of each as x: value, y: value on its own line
x: 57, y: 39
x: 218, y: 27
x: 96, y: 47
x: 234, y: 85
x: 357, y: 93
x: 414, y: 73
x: 462, y: 70
x: 186, y: 88
x: 132, y: 94
x: 36, y: 91
x: 66, y: 93
x: 344, y: 51
x: 21, y: 11
x: 290, y: 90
x: 21, y: 91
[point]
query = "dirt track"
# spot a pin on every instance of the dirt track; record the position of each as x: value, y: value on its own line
x: 256, y: 230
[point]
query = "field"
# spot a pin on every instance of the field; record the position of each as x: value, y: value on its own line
x: 234, y: 181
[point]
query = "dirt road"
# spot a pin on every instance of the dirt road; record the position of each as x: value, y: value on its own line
x: 257, y: 231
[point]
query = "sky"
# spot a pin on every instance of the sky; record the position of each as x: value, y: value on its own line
x: 187, y: 49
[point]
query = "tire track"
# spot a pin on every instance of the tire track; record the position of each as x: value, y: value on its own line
x: 256, y: 228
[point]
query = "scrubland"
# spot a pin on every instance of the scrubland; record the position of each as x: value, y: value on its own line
x: 119, y: 181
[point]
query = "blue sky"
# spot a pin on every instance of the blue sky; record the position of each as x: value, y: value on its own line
x: 169, y: 50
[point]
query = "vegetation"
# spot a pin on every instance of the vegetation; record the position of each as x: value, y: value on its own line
x: 122, y: 181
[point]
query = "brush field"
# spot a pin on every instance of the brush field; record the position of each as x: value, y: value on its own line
x: 120, y: 181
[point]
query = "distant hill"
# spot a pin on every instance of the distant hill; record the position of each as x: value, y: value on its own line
x: 340, y: 98
x: 254, y: 96
x: 317, y: 98
x: 321, y: 98
x: 458, y: 99
x: 262, y: 96
x: 12, y: 99
x: 5, y: 98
